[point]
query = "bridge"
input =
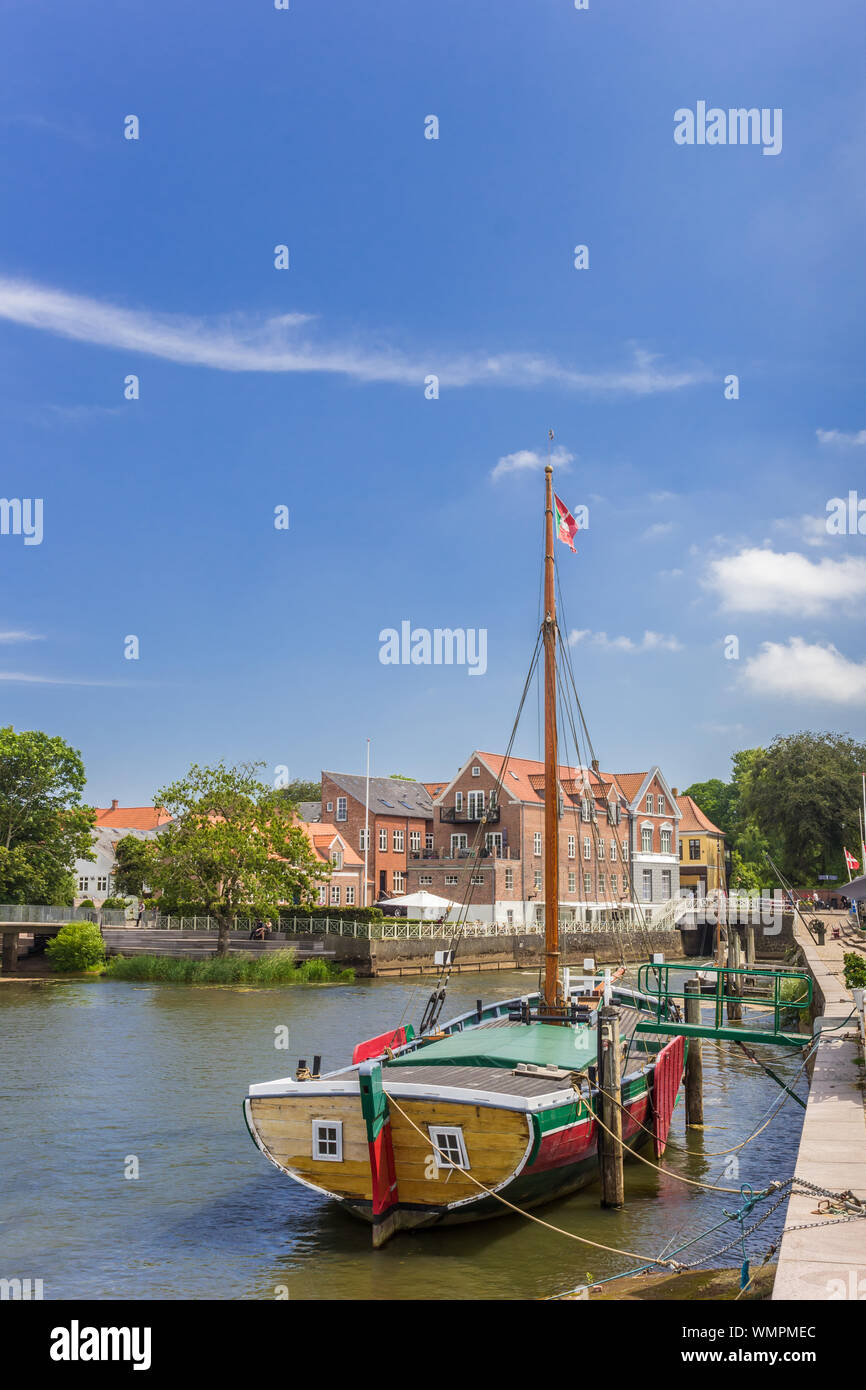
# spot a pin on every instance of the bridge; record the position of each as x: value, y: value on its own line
x: 20, y: 919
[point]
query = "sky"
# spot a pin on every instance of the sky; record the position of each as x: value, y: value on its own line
x: 708, y: 607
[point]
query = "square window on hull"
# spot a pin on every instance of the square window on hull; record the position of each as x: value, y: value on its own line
x: 328, y: 1140
x: 449, y: 1146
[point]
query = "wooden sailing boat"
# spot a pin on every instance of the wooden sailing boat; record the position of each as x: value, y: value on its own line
x: 500, y: 1103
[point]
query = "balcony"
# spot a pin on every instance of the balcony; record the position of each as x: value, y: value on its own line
x: 449, y: 815
x: 502, y: 852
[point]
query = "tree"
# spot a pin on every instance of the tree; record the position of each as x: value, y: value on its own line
x: 302, y: 791
x: 131, y: 863
x: 803, y: 792
x: 232, y: 843
x: 44, y: 827
x: 715, y: 799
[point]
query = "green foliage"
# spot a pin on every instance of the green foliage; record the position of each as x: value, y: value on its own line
x: 855, y: 970
x: 238, y: 968
x: 116, y: 903
x: 803, y: 792
x: 77, y: 946
x: 401, y: 777
x: 715, y: 799
x: 233, y: 844
x: 345, y: 914
x: 88, y: 902
x: 302, y: 791
x: 747, y: 877
x: 44, y: 827
x: 132, y: 859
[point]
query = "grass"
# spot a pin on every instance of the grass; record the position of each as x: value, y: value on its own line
x: 270, y: 968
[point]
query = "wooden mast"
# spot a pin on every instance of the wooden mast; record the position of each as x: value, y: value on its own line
x: 552, y: 988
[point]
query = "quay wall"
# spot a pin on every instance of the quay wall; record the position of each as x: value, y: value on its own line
x: 405, y: 956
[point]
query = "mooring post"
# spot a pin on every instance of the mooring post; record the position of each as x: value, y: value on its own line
x: 694, y: 1058
x: 610, y: 1098
x: 735, y: 1005
x: 10, y: 952
x: 750, y: 946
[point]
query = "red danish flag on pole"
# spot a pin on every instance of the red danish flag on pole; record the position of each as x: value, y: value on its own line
x: 851, y: 861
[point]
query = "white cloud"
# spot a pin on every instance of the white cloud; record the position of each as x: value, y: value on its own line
x: 811, y: 530
x: 238, y: 344
x: 25, y: 678
x: 840, y: 437
x: 651, y: 641
x: 662, y: 496
x: 657, y: 530
x: 527, y: 460
x: 800, y: 670
x: 20, y: 637
x: 764, y: 581
x: 671, y: 574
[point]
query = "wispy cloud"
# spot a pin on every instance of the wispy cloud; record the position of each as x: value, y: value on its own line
x: 276, y: 344
x: 527, y: 461
x: 662, y: 497
x: 650, y: 642
x: 840, y: 437
x: 764, y: 581
x: 799, y: 670
x: 811, y: 530
x: 27, y: 678
x: 657, y: 530
x: 16, y: 636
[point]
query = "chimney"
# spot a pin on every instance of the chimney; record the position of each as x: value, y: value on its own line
x: 675, y: 792
x: 595, y: 766
x: 114, y: 805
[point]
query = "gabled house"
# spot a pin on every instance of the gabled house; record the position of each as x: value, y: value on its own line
x: 493, y: 844
x: 654, y: 817
x: 95, y: 880
x: 345, y: 884
x: 703, y: 858
x: 400, y: 823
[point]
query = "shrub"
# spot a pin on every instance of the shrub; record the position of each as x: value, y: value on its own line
x: 238, y: 968
x: 116, y: 903
x: 77, y: 946
x: 855, y: 970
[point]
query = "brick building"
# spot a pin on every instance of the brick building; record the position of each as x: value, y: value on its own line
x: 345, y: 867
x: 654, y: 817
x: 493, y: 843
x: 401, y: 824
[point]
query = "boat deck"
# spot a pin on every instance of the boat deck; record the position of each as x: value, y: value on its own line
x: 497, y: 1079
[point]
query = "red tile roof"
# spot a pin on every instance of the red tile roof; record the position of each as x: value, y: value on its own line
x: 631, y: 783
x: 524, y: 778
x: 322, y: 835
x: 693, y: 819
x: 132, y: 817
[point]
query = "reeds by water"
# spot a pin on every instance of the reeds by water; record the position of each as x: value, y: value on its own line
x: 238, y: 968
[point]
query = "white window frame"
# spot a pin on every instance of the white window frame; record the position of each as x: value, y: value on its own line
x: 666, y: 840
x: 335, y: 895
x: 536, y: 842
x: 363, y: 839
x: 646, y: 832
x: 425, y: 880
x: 587, y: 847
x: 613, y: 853
x: 83, y: 884
x: 451, y: 880
x: 475, y: 804
x: 399, y: 841
x: 383, y: 838
x: 399, y: 881
x: 350, y: 896
x: 459, y: 840
x: 600, y: 847
x: 452, y: 1134
x: 342, y: 808
x: 337, y: 1126
x: 323, y: 896
x: 102, y: 883
x: 537, y: 884
x: 458, y: 801
x: 572, y: 881
x: 571, y: 846
x: 509, y: 879
x: 649, y: 803
x: 476, y: 772
x: 660, y: 805
x: 625, y: 851
x: 477, y: 878
x: 428, y: 840
x: 415, y: 840
x: 587, y: 883
x: 493, y: 841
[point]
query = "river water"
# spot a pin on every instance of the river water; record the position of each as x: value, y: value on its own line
x: 97, y: 1075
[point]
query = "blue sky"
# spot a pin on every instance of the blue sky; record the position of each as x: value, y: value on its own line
x: 410, y: 257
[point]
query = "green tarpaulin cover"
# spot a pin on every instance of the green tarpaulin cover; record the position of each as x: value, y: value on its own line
x: 569, y: 1047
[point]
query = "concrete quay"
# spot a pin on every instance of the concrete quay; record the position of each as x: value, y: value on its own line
x: 828, y: 1262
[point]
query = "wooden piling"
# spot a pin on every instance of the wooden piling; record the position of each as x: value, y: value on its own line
x: 694, y: 1058
x: 735, y: 1006
x: 10, y: 952
x: 610, y: 1151
x: 750, y: 946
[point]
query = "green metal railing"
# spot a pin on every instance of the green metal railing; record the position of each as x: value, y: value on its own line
x: 730, y: 986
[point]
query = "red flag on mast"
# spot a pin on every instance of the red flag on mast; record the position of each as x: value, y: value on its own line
x: 566, y: 526
x: 851, y: 862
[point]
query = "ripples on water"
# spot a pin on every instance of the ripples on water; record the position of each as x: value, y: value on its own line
x: 96, y: 1071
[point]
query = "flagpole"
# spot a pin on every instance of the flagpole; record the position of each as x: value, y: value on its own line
x: 367, y: 826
